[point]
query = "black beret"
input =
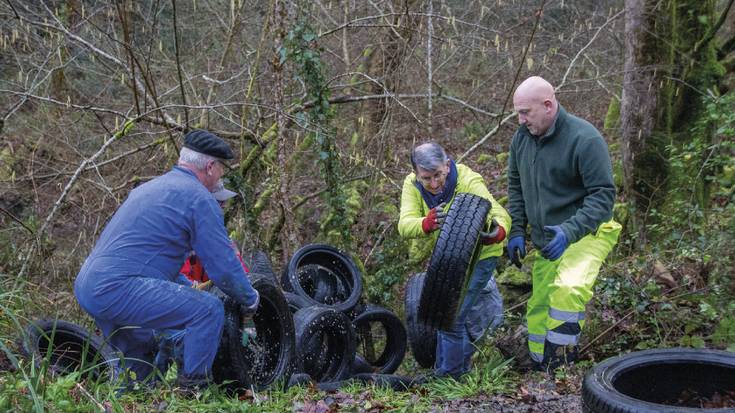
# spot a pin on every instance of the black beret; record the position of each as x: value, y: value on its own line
x: 208, y: 143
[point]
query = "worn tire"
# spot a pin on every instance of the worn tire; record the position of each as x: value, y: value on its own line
x: 393, y: 338
x: 421, y: 337
x: 655, y: 380
x: 269, y: 358
x: 343, y: 284
x: 334, y: 331
x: 69, y: 348
x: 452, y: 260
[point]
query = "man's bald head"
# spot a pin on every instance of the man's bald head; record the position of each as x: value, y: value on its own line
x: 536, y: 104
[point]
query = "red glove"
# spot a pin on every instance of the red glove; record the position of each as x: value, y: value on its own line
x: 430, y: 222
x: 435, y: 218
x: 496, y: 234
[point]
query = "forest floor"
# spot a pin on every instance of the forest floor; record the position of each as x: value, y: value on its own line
x: 540, y: 393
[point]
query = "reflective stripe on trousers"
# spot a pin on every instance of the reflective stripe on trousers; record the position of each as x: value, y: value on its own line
x: 562, y: 288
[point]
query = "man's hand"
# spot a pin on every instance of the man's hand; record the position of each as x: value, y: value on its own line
x: 555, y: 248
x: 434, y: 219
x: 494, y: 235
x: 249, y: 312
x: 517, y: 250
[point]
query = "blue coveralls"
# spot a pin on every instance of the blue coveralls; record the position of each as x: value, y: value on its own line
x: 128, y: 282
x: 481, y: 310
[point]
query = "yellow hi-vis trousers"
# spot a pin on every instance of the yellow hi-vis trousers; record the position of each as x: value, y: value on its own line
x: 562, y: 288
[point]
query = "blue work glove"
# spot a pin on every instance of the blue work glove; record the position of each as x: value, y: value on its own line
x: 517, y: 250
x: 555, y: 248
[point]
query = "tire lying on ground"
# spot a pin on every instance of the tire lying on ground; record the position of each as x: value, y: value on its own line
x: 359, y: 365
x: 325, y: 343
x: 325, y: 276
x: 381, y: 338
x: 265, y: 358
x: 421, y: 337
x: 398, y: 383
x: 452, y: 260
x: 68, y: 347
x: 673, y: 380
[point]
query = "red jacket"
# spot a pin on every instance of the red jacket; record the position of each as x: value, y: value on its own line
x: 194, y: 271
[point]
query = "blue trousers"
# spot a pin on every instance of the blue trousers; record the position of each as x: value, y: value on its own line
x: 481, y: 311
x: 129, y: 308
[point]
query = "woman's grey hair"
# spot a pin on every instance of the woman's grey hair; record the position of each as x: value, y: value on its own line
x: 194, y: 158
x: 428, y: 156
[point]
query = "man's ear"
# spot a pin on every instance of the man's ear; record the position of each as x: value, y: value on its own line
x: 549, y: 105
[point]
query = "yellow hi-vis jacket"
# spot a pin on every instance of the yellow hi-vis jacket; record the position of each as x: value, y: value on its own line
x: 414, y: 210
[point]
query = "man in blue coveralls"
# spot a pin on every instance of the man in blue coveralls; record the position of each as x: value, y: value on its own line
x: 128, y: 282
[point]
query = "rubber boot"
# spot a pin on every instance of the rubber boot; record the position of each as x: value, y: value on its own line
x: 557, y: 355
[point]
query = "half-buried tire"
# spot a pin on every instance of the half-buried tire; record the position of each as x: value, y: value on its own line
x: 421, y: 337
x: 452, y: 260
x: 331, y: 358
x: 68, y: 347
x: 672, y: 380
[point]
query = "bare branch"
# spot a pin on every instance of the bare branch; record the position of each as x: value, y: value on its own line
x: 579, y: 53
x: 487, y: 136
x: 178, y: 64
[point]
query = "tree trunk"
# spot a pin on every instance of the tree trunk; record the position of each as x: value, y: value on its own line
x: 640, y: 110
x: 280, y: 26
x: 670, y: 61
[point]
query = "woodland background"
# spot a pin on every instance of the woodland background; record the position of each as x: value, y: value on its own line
x: 322, y: 101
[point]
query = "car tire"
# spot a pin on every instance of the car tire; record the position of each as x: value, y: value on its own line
x: 421, y: 337
x: 336, y: 282
x: 69, y: 348
x: 258, y: 262
x: 657, y: 380
x: 333, y: 330
x: 394, y: 340
x: 269, y: 358
x: 452, y: 260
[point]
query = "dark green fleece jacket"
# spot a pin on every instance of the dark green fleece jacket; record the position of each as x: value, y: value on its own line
x: 562, y: 178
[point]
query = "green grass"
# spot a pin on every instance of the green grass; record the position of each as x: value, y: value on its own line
x: 34, y: 389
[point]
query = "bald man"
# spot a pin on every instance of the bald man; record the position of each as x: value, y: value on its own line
x: 560, y: 185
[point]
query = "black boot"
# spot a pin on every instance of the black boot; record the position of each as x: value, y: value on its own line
x: 556, y: 355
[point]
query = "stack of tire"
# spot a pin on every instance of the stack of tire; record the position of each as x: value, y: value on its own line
x: 338, y: 336
x: 432, y: 298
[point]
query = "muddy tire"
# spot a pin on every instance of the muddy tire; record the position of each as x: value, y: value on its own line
x: 324, y: 276
x: 661, y: 380
x: 421, y: 337
x: 454, y: 255
x: 331, y: 330
x: 68, y: 347
x: 381, y: 339
x: 267, y: 358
